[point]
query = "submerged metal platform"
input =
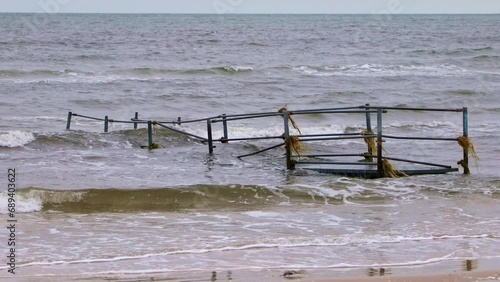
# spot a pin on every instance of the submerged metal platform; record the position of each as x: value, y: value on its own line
x: 370, y: 171
x: 375, y: 165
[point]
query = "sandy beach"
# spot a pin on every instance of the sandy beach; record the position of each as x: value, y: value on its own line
x: 455, y: 277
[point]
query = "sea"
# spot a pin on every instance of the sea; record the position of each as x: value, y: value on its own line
x: 96, y: 206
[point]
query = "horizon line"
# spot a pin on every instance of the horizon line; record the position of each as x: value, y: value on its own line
x: 221, y: 14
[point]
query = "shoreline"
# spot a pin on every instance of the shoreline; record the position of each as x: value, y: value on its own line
x: 483, y: 270
x: 471, y: 276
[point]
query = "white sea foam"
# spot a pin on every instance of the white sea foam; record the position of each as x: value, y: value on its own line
x: 262, y: 214
x: 382, y: 70
x: 277, y: 130
x: 297, y: 242
x: 33, y: 200
x: 430, y: 124
x: 23, y: 204
x: 238, y: 68
x: 16, y: 138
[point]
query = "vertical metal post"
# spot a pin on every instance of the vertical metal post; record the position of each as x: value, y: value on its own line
x: 224, y: 125
x: 380, y: 171
x: 150, y: 135
x: 68, y: 123
x: 368, y: 118
x: 136, y: 117
x: 106, y: 121
x: 178, y: 120
x: 289, y: 164
x: 210, y: 140
x: 466, y: 134
x: 368, y: 129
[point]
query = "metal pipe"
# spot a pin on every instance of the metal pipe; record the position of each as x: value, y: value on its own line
x: 136, y: 117
x: 68, y: 122
x: 380, y: 171
x: 332, y: 155
x: 224, y: 125
x: 300, y: 111
x: 416, y: 109
x: 417, y: 162
x: 209, y: 133
x: 185, y: 121
x: 182, y: 132
x: 329, y: 109
x: 254, y: 114
x: 289, y: 164
x: 337, y: 138
x: 106, y: 120
x: 419, y: 138
x: 98, y: 119
x: 150, y: 135
x: 339, y: 163
x: 368, y: 130
x: 303, y: 139
x: 332, y: 112
x: 228, y: 118
x: 179, y: 122
x: 312, y: 139
x: 115, y: 121
x: 368, y: 119
x: 252, y: 138
x: 332, y: 134
x: 466, y: 134
x: 129, y: 121
x: 261, y: 151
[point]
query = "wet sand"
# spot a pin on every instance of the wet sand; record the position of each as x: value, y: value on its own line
x: 484, y: 276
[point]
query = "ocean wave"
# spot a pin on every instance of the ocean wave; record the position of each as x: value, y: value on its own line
x: 194, y: 197
x: 455, y: 52
x: 381, y: 70
x: 466, y: 92
x: 118, y: 139
x: 218, y: 70
x: 430, y: 124
x: 94, y: 57
x: 162, y: 199
x: 16, y: 138
x: 132, y: 74
x: 238, y: 68
x: 487, y: 58
x: 42, y: 73
x: 253, y: 198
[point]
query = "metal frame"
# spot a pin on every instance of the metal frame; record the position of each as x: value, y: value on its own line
x: 366, y: 109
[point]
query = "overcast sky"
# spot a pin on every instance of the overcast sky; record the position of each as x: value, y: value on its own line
x: 252, y: 6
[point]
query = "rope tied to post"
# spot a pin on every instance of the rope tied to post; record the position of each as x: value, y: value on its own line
x: 155, y: 145
x: 294, y: 124
x: 370, y: 141
x: 466, y: 143
x: 154, y: 123
x: 294, y: 141
x: 391, y: 171
x: 296, y: 145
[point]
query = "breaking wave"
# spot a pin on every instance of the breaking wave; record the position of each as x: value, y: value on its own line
x: 199, y: 197
x: 16, y: 138
x: 133, y: 74
x: 382, y: 70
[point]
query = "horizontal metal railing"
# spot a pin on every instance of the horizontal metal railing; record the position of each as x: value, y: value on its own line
x: 366, y: 110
